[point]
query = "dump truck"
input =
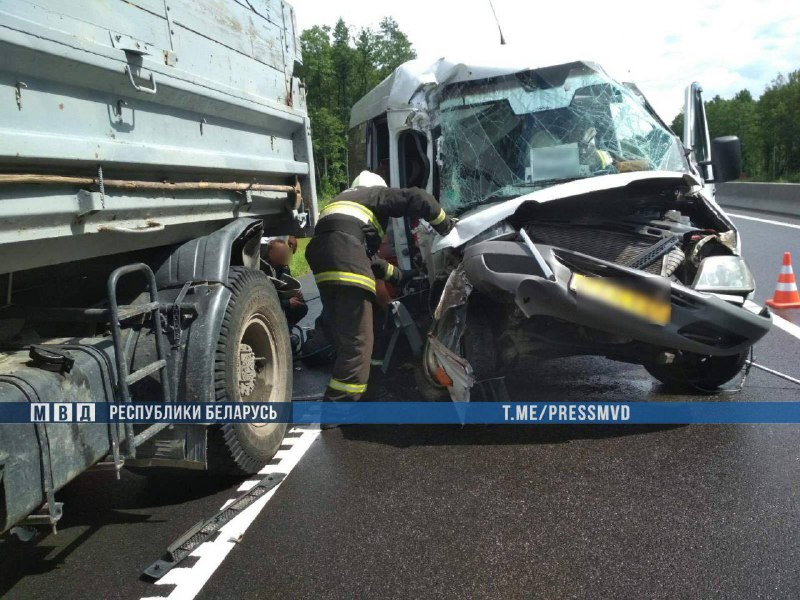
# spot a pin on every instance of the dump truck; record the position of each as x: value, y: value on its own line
x: 146, y: 148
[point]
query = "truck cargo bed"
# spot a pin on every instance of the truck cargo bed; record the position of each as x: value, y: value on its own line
x: 193, y: 91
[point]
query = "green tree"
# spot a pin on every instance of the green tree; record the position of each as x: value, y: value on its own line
x: 317, y: 69
x: 364, y: 72
x: 318, y: 74
x: 343, y: 61
x: 329, y: 141
x: 769, y: 128
x: 779, y: 113
x: 677, y: 125
x: 339, y: 67
x: 738, y: 116
x: 393, y: 48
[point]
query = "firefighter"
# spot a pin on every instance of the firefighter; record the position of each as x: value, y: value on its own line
x: 342, y: 255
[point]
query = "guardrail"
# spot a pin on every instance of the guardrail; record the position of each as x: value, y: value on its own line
x: 780, y: 198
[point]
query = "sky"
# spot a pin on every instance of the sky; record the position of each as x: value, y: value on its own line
x: 661, y: 46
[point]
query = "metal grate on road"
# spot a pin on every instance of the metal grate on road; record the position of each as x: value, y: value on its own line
x: 202, y: 531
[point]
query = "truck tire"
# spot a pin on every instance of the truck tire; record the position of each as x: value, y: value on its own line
x: 253, y: 363
x: 698, y: 373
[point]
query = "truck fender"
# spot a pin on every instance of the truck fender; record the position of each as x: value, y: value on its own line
x: 207, y: 258
x: 204, y: 261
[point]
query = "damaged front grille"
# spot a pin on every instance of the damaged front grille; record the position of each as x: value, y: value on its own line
x: 620, y: 247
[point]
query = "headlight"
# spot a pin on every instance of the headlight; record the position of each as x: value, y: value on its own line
x: 724, y: 275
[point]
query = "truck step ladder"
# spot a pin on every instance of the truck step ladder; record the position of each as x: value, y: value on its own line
x: 119, y: 315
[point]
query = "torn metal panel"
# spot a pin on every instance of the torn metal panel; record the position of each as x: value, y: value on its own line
x: 450, y: 320
x: 450, y: 316
x: 456, y: 292
x: 478, y: 220
x: 457, y: 368
x: 398, y: 89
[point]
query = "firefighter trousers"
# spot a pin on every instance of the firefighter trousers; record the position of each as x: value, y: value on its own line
x: 347, y: 321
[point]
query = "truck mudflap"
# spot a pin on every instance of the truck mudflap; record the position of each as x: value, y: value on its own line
x: 698, y: 323
x: 37, y: 459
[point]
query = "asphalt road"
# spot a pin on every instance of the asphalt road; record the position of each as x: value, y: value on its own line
x: 402, y: 512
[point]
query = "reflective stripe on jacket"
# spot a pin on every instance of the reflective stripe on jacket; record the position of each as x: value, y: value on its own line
x: 350, y: 230
x: 348, y: 388
x: 346, y: 278
x: 355, y: 210
x: 371, y: 208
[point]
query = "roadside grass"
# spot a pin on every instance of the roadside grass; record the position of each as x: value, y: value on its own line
x: 298, y: 264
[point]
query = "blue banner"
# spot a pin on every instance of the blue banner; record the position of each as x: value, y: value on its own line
x: 405, y: 413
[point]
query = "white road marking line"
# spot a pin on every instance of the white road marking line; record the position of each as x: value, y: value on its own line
x: 190, y: 580
x: 777, y: 320
x: 247, y: 485
x: 768, y: 221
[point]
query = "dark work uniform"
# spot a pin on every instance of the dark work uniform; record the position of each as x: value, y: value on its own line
x: 342, y: 257
x: 294, y: 314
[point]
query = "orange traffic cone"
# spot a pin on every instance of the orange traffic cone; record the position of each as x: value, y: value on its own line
x: 786, y: 294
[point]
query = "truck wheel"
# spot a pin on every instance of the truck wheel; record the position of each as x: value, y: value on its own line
x: 697, y: 372
x: 253, y: 363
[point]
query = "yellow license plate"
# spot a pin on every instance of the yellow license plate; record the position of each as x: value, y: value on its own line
x: 631, y: 301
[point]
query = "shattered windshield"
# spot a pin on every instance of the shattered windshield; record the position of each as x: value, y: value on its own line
x: 504, y: 137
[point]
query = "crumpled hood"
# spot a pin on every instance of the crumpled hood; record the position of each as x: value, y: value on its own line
x: 478, y: 220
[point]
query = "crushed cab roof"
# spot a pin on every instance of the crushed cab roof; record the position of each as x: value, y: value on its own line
x: 397, y: 90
